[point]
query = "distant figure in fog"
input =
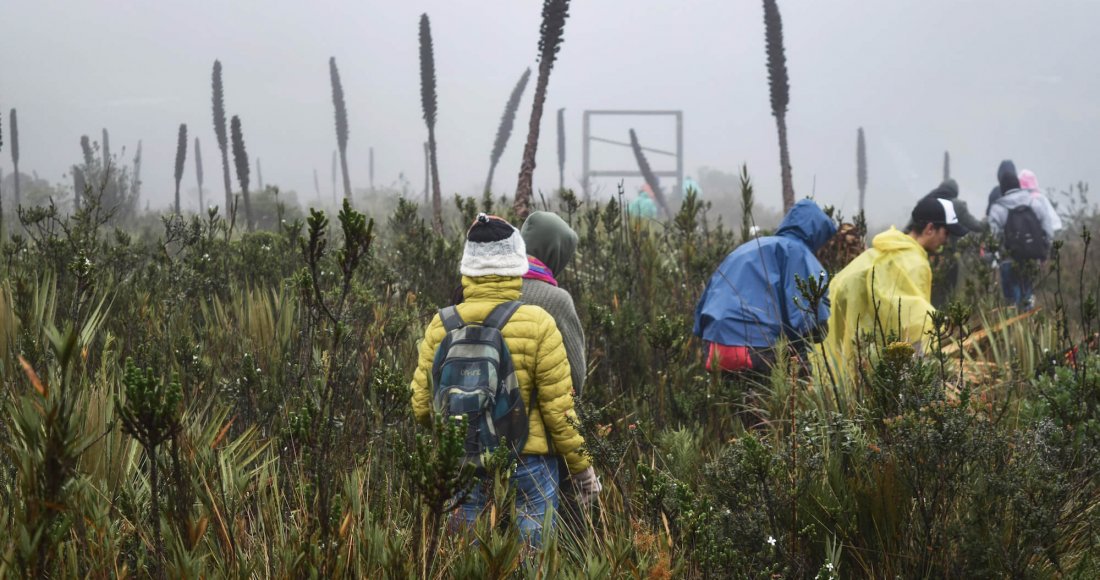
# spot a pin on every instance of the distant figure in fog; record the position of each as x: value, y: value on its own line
x: 643, y: 205
x: 1024, y: 222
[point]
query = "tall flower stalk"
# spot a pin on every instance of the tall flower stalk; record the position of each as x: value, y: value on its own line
x: 647, y: 174
x: 341, y: 122
x: 551, y: 33
x: 861, y: 167
x: 316, y: 185
x: 135, y: 184
x: 181, y: 158
x: 428, y: 104
x: 240, y: 159
x: 561, y: 149
x: 779, y: 87
x: 507, y: 121
x: 107, y: 152
x: 198, y: 173
x: 13, y: 130
x: 221, y: 134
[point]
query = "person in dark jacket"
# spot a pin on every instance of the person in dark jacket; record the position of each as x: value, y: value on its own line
x: 946, y: 266
x: 752, y: 300
x: 1007, y: 180
x: 949, y: 190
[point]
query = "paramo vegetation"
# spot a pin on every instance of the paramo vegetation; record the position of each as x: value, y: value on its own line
x: 187, y: 399
x: 226, y: 394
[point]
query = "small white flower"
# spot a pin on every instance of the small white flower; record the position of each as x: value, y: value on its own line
x: 771, y: 541
x: 829, y: 566
x: 257, y: 369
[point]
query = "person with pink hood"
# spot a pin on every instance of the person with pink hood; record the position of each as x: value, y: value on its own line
x: 1024, y: 221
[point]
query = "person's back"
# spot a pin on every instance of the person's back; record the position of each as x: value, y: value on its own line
x: 888, y: 289
x: 750, y: 300
x: 643, y: 205
x: 551, y: 244
x: 1024, y: 222
x: 1030, y: 198
x: 493, y: 262
x: 892, y: 279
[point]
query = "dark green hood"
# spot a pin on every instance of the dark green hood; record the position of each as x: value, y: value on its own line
x: 549, y: 239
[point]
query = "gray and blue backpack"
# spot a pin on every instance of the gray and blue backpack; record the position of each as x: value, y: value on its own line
x: 473, y: 377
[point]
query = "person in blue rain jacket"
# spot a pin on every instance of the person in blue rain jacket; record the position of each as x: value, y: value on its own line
x: 752, y: 299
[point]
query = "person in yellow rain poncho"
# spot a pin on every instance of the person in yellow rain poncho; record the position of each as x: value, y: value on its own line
x: 891, y: 281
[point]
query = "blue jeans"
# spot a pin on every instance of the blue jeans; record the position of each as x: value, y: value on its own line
x: 536, y: 483
x: 1015, y: 285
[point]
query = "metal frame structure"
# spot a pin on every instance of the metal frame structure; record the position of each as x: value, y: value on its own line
x: 678, y: 154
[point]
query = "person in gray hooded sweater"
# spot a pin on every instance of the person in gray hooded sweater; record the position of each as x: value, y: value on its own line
x: 1018, y: 272
x: 551, y: 244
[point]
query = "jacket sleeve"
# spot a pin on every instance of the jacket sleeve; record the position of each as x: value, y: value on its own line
x: 1048, y: 216
x: 966, y: 218
x: 997, y: 215
x: 422, y: 377
x: 802, y: 323
x: 555, y: 396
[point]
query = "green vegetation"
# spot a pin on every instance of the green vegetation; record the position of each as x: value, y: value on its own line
x: 186, y: 399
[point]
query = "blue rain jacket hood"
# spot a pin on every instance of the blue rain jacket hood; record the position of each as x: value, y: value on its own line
x: 750, y: 299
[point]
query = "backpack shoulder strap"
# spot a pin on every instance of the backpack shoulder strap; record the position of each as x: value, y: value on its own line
x: 451, y: 319
x: 501, y: 314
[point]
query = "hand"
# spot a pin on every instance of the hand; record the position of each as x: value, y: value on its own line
x: 587, y: 486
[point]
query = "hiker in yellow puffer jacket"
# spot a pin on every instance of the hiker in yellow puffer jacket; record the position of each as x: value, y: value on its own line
x: 493, y: 262
x: 893, y: 279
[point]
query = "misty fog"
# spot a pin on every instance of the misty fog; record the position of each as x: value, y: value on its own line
x: 982, y: 79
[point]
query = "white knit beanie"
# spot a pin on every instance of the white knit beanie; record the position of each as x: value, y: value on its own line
x: 493, y: 248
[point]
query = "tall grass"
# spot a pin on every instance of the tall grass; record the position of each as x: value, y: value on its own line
x: 291, y: 452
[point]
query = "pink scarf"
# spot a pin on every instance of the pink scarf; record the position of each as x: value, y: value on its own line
x: 538, y: 271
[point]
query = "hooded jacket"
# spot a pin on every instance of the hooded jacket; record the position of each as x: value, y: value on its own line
x: 553, y: 242
x: 750, y: 298
x: 539, y: 358
x: 1006, y: 182
x: 949, y: 190
x: 1016, y: 197
x: 892, y: 278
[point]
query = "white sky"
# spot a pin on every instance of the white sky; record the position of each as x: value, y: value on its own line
x: 986, y: 79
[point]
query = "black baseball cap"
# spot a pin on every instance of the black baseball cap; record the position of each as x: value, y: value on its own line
x: 940, y: 212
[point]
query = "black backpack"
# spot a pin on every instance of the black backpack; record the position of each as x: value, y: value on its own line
x: 473, y: 376
x: 1024, y: 237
